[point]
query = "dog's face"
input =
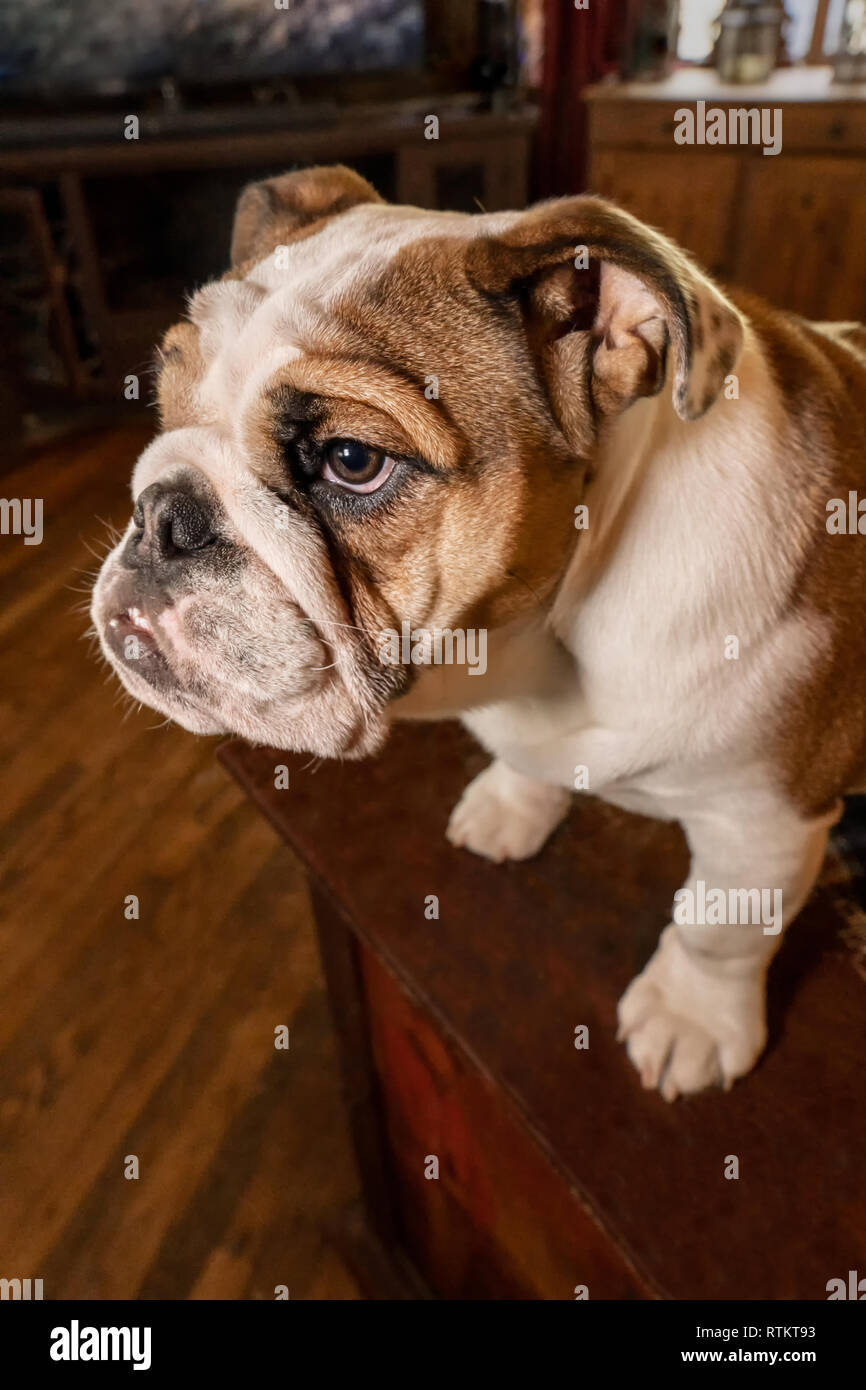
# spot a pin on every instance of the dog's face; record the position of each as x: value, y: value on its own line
x: 381, y: 416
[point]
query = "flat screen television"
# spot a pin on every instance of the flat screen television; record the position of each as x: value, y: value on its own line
x: 107, y: 47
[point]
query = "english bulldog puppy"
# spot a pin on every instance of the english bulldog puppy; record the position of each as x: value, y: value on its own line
x: 551, y: 427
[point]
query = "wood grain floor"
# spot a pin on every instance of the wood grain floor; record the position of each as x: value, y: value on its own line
x: 153, y: 1037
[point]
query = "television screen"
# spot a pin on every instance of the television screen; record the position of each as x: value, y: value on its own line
x: 91, y: 45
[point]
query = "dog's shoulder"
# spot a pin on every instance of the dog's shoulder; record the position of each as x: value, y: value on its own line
x: 820, y: 372
x: 819, y: 743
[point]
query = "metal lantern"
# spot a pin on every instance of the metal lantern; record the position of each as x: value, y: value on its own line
x: 750, y: 35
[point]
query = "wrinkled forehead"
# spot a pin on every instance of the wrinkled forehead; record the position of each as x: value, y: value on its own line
x: 358, y: 244
x: 248, y: 328
x: 243, y: 332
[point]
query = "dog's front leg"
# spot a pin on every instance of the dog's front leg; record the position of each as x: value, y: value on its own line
x: 695, y: 1016
x: 511, y: 808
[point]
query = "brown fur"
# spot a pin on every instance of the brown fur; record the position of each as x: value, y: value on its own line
x: 180, y: 367
x: 278, y: 211
x: 820, y: 745
x: 549, y: 235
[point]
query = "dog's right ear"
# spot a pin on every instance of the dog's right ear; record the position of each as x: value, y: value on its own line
x: 271, y: 212
x: 604, y: 299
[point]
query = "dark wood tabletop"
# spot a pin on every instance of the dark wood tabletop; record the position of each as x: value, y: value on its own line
x: 521, y: 954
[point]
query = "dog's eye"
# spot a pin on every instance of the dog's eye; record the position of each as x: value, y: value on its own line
x: 356, y: 466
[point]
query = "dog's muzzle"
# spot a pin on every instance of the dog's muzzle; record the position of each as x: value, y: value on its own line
x: 173, y: 532
x: 227, y: 637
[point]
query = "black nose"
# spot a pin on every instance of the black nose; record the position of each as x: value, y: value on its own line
x: 169, y: 524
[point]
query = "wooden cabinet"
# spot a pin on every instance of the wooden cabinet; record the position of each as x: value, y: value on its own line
x: 790, y: 226
x: 689, y: 197
x: 804, y: 245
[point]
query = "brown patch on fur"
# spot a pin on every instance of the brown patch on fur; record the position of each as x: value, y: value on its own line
x: 181, y: 370
x: 483, y: 530
x: 497, y: 537
x: 549, y: 234
x: 546, y: 238
x: 278, y: 211
x: 820, y: 746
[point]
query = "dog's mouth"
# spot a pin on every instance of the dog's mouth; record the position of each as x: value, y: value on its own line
x: 142, y: 657
x: 218, y: 664
x: 132, y: 622
x: 129, y: 633
x: 132, y: 619
x: 215, y: 637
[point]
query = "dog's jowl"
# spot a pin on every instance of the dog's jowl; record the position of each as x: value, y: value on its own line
x: 695, y: 647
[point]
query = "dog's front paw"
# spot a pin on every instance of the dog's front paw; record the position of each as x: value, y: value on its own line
x: 504, y: 815
x: 686, y: 1029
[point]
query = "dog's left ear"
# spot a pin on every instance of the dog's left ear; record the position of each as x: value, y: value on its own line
x: 270, y: 212
x: 604, y: 297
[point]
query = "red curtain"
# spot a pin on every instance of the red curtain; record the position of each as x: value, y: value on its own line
x: 580, y: 47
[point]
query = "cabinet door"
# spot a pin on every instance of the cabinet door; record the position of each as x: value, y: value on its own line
x: 689, y: 196
x: 802, y: 235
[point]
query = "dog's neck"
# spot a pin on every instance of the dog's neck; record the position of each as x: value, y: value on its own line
x: 624, y: 454
x: 651, y: 470
x: 528, y: 658
x: 523, y: 660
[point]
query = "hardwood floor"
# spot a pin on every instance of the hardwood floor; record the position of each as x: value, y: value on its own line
x: 152, y: 1037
